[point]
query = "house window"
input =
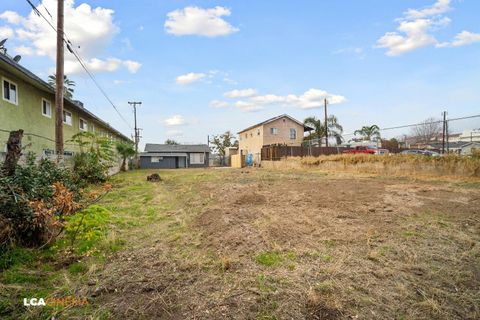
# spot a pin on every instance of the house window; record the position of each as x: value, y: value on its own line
x: 46, y: 108
x: 156, y: 159
x: 197, y: 158
x: 273, y: 131
x: 83, y: 125
x: 67, y: 117
x: 293, y: 134
x: 246, y: 135
x: 258, y: 132
x: 10, y: 92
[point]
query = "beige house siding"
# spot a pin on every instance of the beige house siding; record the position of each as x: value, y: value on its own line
x: 283, y: 127
x: 252, y: 140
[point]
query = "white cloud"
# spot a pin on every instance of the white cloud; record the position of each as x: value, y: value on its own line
x: 416, y: 30
x: 199, y: 21
x: 218, y: 104
x: 245, y: 93
x: 132, y: 66
x: 174, y: 133
x: 92, y: 29
x: 176, y: 120
x: 11, y: 17
x: 6, y: 32
x: 24, y: 50
x: 189, y: 78
x: 439, y: 7
x: 248, y: 106
x: 312, y: 98
x: 462, y: 39
x: 415, y: 35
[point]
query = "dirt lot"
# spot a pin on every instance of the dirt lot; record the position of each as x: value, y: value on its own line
x: 258, y: 244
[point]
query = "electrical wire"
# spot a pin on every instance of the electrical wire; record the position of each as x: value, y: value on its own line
x: 79, y: 59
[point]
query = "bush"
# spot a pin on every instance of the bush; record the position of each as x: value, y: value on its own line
x: 88, y: 168
x: 96, y: 155
x: 34, y: 200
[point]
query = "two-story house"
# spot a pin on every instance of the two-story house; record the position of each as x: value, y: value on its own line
x: 28, y: 103
x: 282, y: 129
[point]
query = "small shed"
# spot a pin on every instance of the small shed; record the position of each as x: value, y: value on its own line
x: 166, y: 156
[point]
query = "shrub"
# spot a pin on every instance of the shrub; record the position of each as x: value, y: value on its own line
x: 87, y: 228
x: 34, y: 200
x: 96, y: 155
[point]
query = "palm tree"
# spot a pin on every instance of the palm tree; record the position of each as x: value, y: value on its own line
x: 125, y: 150
x: 67, y: 85
x: 369, y: 132
x: 334, y: 129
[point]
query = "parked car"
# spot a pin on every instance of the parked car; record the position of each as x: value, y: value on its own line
x: 382, y: 152
x: 361, y: 149
x: 422, y: 152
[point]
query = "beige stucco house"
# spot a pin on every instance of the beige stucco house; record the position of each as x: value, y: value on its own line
x: 282, y: 129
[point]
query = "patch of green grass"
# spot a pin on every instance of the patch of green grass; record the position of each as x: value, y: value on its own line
x: 11, y: 256
x: 269, y: 258
x: 15, y: 275
x: 78, y: 267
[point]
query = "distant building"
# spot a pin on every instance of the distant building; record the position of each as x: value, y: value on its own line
x: 282, y: 129
x: 167, y: 156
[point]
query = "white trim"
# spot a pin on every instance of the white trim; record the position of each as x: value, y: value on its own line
x: 16, y: 91
x: 46, y: 115
x: 80, y: 122
x: 71, y: 118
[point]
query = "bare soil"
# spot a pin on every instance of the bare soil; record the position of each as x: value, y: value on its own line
x: 343, y: 247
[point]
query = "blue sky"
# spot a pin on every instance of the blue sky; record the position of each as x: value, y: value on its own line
x: 204, y: 67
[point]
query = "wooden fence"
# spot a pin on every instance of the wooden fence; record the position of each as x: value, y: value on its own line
x: 276, y: 152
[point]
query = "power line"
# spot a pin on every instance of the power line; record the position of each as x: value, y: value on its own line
x: 421, y: 123
x: 79, y: 59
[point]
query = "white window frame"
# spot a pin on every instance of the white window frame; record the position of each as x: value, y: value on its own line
x: 50, y: 104
x: 202, y: 158
x: 273, y: 131
x: 65, y: 118
x: 16, y: 91
x: 80, y: 124
x: 294, y: 134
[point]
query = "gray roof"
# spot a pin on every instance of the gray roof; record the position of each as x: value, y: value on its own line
x: 164, y: 154
x: 152, y: 147
x: 43, y: 85
x: 306, y: 128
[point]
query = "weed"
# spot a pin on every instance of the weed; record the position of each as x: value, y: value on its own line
x: 269, y: 258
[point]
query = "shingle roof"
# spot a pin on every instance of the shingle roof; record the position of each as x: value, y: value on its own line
x: 43, y: 85
x: 153, y: 147
x: 307, y: 128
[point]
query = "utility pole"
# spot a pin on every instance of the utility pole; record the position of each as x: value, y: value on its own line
x: 444, y: 131
x: 59, y: 84
x: 326, y: 124
x: 137, y: 130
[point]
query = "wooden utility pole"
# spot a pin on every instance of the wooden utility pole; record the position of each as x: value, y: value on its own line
x: 326, y: 124
x: 444, y: 130
x: 137, y: 131
x: 59, y: 83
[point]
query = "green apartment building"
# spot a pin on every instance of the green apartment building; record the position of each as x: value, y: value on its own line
x: 28, y: 103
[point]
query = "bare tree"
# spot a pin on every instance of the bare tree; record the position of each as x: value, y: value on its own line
x: 426, y: 131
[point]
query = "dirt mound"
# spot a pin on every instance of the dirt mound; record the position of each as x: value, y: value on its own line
x: 231, y: 230
x: 251, y: 199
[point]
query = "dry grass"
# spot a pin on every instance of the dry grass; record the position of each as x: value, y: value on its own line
x: 299, y: 244
x: 450, y: 165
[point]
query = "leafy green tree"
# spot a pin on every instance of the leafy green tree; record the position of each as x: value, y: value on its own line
x: 221, y: 142
x: 334, y: 129
x: 368, y: 133
x: 67, y: 85
x: 171, y: 142
x: 125, y: 150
